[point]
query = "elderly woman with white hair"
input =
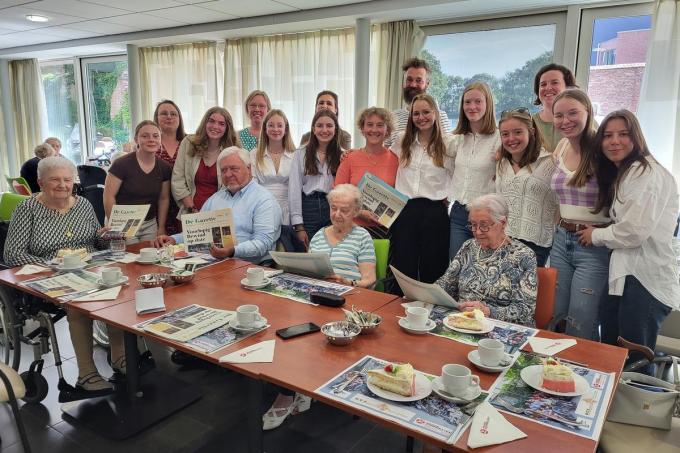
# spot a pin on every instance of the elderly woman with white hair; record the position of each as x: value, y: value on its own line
x: 493, y: 272
x: 42, y: 225
x: 29, y: 170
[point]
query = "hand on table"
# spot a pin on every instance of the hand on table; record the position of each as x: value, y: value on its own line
x: 102, y: 231
x: 338, y: 279
x: 221, y: 252
x: 470, y: 305
x: 162, y: 240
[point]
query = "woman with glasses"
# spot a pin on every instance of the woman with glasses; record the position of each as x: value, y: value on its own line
x: 476, y: 141
x: 493, y: 272
x: 581, y: 269
x: 523, y: 176
x: 550, y: 80
x: 257, y: 105
x: 328, y: 100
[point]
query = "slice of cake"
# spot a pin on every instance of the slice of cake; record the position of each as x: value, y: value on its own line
x: 395, y: 378
x: 468, y: 320
x: 557, y: 377
x: 82, y: 252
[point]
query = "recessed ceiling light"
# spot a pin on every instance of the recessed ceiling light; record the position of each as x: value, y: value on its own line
x: 37, y: 18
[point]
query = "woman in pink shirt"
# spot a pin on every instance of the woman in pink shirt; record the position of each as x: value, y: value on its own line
x: 376, y: 125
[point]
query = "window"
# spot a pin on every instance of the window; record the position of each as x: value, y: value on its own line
x: 507, y: 57
x: 61, y: 99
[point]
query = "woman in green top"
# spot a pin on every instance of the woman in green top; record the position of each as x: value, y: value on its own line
x: 550, y: 80
x: 257, y: 105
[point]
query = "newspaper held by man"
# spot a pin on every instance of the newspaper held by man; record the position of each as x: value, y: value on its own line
x: 186, y: 323
x: 126, y: 219
x: 380, y: 198
x: 203, y: 229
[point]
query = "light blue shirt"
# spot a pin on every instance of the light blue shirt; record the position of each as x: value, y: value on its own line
x: 257, y: 219
x: 298, y: 183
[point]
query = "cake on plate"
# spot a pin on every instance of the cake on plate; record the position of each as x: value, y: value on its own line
x: 468, y: 320
x: 395, y: 378
x: 82, y: 252
x: 557, y: 377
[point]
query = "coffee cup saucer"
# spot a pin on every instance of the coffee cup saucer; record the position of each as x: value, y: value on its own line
x: 254, y: 326
x: 247, y: 285
x: 473, y: 356
x: 121, y: 281
x: 438, y: 388
x: 429, y: 326
x: 78, y: 266
x: 151, y: 261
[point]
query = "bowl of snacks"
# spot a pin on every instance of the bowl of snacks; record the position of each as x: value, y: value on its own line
x: 368, y: 321
x: 154, y: 280
x: 340, y: 333
x: 182, y: 276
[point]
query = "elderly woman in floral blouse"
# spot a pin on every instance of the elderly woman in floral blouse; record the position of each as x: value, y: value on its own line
x: 493, y: 272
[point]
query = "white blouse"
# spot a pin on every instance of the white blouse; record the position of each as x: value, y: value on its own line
x: 644, y: 211
x: 532, y: 202
x: 277, y: 183
x: 422, y: 178
x: 475, y: 167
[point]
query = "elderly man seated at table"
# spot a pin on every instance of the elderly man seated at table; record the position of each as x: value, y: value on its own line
x: 256, y: 213
x: 493, y: 272
x: 50, y: 221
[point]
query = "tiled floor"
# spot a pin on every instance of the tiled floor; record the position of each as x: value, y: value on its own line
x: 215, y: 423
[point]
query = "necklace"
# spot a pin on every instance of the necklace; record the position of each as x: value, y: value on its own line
x: 493, y: 254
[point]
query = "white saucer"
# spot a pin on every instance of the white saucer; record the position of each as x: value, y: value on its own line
x: 437, y: 388
x: 247, y: 285
x: 59, y: 261
x: 429, y: 326
x: 122, y: 281
x: 533, y: 376
x: 255, y: 326
x: 141, y: 261
x: 473, y: 356
x: 61, y: 267
x: 423, y: 389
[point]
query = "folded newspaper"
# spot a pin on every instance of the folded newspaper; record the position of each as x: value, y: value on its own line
x: 126, y: 219
x: 203, y: 229
x: 424, y: 292
x: 381, y: 199
x: 186, y: 323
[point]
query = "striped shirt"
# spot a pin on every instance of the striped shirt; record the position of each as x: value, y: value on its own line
x: 576, y: 203
x: 346, y: 255
x: 400, y: 118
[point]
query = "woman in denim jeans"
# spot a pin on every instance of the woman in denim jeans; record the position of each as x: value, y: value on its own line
x: 643, y: 200
x: 581, y: 270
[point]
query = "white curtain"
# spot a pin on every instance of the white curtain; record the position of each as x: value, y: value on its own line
x: 659, y: 107
x: 292, y: 69
x: 4, y: 154
x: 30, y: 113
x: 187, y: 74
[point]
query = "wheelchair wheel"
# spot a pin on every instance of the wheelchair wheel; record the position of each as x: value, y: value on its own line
x: 10, y: 346
x: 36, y: 386
x: 100, y: 334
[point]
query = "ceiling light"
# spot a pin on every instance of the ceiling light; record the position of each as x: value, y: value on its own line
x: 37, y: 18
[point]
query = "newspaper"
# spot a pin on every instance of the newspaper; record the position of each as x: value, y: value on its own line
x: 187, y: 323
x: 66, y: 286
x: 297, y: 288
x: 220, y: 338
x: 126, y: 219
x: 203, y: 229
x: 424, y: 292
x: 310, y: 264
x: 381, y: 199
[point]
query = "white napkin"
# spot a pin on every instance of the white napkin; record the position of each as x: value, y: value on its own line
x: 31, y: 269
x: 149, y: 300
x: 550, y: 346
x: 105, y: 294
x: 258, y: 353
x: 489, y: 427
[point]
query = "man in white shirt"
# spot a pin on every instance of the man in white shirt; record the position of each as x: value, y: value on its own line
x: 416, y: 81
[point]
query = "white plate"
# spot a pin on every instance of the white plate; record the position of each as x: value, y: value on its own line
x: 255, y: 326
x: 532, y: 375
x: 61, y: 267
x: 140, y: 261
x: 247, y: 285
x: 122, y: 281
x: 473, y: 356
x: 437, y: 388
x: 59, y: 261
x: 423, y: 389
x: 429, y: 326
x: 486, y: 327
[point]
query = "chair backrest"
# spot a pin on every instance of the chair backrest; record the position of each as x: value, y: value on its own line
x: 95, y: 195
x: 19, y: 185
x: 545, y: 298
x: 382, y: 251
x: 8, y: 203
x: 91, y: 175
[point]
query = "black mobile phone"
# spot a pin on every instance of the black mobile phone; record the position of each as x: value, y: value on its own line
x: 300, y: 329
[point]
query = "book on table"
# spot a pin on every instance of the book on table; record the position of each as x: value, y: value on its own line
x: 203, y: 229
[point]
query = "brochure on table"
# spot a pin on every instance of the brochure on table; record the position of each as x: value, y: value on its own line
x: 66, y: 286
x: 186, y: 323
x: 297, y: 288
x: 126, y: 219
x: 381, y: 199
x: 432, y: 416
x: 221, y: 337
x: 316, y: 265
x: 424, y: 292
x: 588, y: 411
x: 203, y: 229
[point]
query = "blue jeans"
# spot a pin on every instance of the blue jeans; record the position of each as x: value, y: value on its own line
x: 315, y: 212
x: 582, y: 280
x: 459, y: 230
x: 635, y: 315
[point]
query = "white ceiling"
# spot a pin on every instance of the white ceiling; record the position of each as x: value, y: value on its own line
x: 84, y: 27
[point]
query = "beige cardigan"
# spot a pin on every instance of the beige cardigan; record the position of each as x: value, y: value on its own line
x: 184, y: 174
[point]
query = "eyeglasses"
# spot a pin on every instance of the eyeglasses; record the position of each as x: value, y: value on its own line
x: 482, y: 227
x: 520, y: 110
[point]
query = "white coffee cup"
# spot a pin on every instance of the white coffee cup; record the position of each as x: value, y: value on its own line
x: 458, y: 380
x: 247, y: 315
x: 72, y: 260
x: 491, y: 351
x: 148, y: 254
x: 111, y: 275
x: 417, y: 317
x: 255, y: 276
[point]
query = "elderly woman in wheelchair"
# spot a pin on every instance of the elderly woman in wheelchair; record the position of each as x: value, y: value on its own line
x: 42, y: 225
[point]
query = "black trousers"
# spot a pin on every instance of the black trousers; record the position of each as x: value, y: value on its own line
x: 420, y: 241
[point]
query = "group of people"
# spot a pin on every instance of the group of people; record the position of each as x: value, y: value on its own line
x: 488, y: 202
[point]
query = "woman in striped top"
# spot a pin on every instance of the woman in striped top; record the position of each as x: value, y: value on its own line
x: 582, y: 270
